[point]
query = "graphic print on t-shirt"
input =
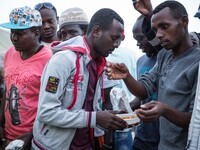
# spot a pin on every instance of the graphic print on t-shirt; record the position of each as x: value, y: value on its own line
x: 18, y: 79
x: 13, y: 104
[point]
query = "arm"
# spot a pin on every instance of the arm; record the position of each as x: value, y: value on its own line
x: 27, y: 138
x: 119, y: 71
x: 145, y: 8
x: 135, y: 104
x: 181, y: 119
x: 55, y: 112
x: 135, y: 87
x: 53, y: 105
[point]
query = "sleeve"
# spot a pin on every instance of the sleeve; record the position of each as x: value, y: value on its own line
x: 52, y: 107
x: 150, y: 80
x: 151, y: 35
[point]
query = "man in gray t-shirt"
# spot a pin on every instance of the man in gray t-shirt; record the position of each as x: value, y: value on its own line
x: 174, y: 75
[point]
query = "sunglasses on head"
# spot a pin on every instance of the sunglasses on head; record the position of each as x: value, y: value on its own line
x: 46, y: 5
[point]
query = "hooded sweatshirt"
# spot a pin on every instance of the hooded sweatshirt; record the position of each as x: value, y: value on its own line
x: 62, y: 94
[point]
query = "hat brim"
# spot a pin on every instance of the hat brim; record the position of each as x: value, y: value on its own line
x: 197, y: 15
x: 9, y: 25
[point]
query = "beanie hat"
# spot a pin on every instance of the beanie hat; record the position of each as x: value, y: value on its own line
x: 23, y: 18
x: 73, y: 16
x: 197, y: 13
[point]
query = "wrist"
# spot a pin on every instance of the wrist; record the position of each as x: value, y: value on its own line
x: 128, y: 76
x: 165, y: 110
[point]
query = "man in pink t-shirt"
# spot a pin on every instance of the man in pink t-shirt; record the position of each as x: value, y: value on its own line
x: 23, y: 65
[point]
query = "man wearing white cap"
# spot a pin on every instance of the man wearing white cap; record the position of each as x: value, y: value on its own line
x: 72, y: 22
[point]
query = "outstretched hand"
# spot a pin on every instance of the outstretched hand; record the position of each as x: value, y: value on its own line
x: 110, y: 121
x: 143, y: 6
x: 150, y: 111
x: 116, y: 71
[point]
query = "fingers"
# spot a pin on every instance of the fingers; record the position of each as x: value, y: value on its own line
x: 108, y: 64
x: 115, y: 123
x: 148, y: 115
x: 108, y: 70
x: 118, y: 123
x: 146, y: 118
x: 109, y: 121
x: 149, y: 105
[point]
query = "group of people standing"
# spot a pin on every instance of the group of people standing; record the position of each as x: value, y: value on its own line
x: 54, y: 95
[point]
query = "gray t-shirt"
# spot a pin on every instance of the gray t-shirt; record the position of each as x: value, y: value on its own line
x: 175, y: 79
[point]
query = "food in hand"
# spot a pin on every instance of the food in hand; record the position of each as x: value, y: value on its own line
x: 130, y: 118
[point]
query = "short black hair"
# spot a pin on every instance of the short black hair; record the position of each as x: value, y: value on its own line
x: 84, y: 27
x: 104, y: 18
x: 177, y: 10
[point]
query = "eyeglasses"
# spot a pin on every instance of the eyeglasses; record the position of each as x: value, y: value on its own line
x: 46, y: 5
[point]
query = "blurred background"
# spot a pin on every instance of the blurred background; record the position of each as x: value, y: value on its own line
x: 123, y: 7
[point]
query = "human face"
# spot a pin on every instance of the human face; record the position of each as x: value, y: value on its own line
x: 106, y: 41
x: 142, y: 41
x: 70, y: 31
x: 23, y: 40
x: 169, y: 30
x: 49, y: 25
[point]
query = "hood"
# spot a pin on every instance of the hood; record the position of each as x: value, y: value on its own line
x: 74, y: 44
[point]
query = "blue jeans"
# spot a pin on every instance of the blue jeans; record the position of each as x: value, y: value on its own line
x: 123, y: 140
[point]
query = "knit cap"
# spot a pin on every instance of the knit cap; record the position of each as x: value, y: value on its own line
x: 73, y: 15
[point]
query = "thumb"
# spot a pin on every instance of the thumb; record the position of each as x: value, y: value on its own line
x: 108, y: 64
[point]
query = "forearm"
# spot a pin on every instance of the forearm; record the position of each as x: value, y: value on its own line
x: 27, y: 138
x: 181, y: 119
x: 135, y: 104
x: 135, y: 87
x: 150, y: 35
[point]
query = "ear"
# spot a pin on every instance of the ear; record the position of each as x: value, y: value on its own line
x: 36, y: 33
x: 184, y: 21
x: 97, y: 31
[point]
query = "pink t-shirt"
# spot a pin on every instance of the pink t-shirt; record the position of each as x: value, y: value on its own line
x: 23, y: 85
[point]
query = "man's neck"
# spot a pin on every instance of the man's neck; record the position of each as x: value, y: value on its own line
x: 183, y: 46
x: 50, y: 40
